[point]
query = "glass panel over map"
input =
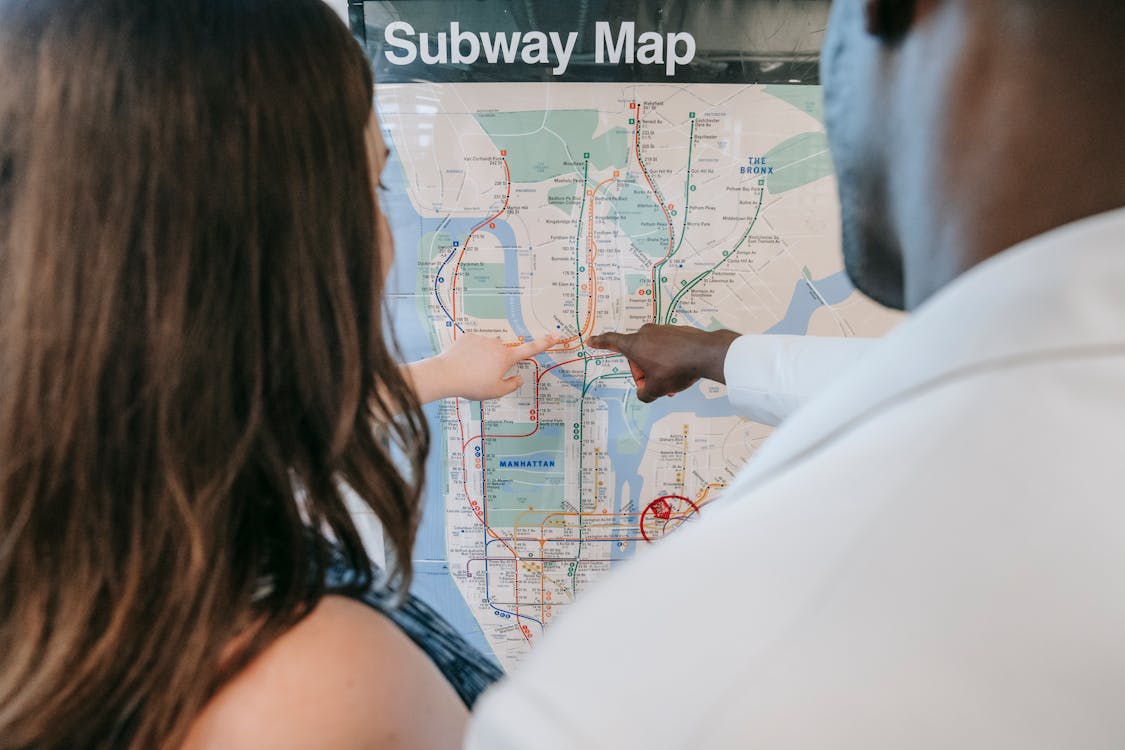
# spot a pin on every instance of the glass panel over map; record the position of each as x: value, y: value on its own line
x: 522, y: 209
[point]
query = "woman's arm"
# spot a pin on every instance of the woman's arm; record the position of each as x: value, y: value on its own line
x: 474, y: 367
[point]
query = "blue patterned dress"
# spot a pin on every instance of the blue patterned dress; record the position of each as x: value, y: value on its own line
x: 466, y: 668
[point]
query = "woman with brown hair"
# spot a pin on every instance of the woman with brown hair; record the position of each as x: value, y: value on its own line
x: 193, y: 371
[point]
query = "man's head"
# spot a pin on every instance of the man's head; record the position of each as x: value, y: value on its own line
x: 962, y: 127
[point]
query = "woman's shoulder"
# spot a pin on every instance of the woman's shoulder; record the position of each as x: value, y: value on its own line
x: 345, y: 676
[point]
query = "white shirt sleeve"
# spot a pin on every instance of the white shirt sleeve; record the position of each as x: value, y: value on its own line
x: 769, y: 377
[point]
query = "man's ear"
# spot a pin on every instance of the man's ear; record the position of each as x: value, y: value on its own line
x: 889, y: 20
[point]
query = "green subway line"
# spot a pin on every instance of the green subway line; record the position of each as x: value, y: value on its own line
x: 695, y: 282
x: 607, y: 376
x: 581, y: 466
x: 586, y: 385
x: 657, y: 269
x: 578, y: 249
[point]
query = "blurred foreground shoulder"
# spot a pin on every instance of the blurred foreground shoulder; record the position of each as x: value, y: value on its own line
x: 344, y: 677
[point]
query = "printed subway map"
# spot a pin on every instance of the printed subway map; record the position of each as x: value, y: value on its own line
x: 520, y: 210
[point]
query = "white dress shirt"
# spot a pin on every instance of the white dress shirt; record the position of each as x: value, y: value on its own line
x: 929, y: 554
x: 768, y: 377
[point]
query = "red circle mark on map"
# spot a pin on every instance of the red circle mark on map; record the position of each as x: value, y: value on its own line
x: 662, y: 509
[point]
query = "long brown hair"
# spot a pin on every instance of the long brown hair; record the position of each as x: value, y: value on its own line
x: 192, y: 354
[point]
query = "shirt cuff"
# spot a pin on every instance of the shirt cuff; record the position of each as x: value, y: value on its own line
x: 755, y: 371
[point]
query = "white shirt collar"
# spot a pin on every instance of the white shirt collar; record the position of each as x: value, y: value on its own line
x: 1060, y: 293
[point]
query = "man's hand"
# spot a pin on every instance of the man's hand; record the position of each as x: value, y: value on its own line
x: 668, y: 359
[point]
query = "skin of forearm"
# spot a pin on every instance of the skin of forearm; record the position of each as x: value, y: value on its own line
x: 432, y: 381
x: 712, y: 353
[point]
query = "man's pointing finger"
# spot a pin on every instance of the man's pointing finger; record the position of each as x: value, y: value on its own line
x: 618, y: 342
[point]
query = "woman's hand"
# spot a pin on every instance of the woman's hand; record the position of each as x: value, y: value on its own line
x: 475, y: 367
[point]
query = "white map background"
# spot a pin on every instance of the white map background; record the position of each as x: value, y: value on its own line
x: 525, y: 209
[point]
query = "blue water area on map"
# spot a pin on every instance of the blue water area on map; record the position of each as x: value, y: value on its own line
x: 623, y: 420
x: 432, y: 580
x: 803, y: 303
x: 808, y: 297
x: 408, y: 228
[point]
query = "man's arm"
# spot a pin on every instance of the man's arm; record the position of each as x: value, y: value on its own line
x: 668, y: 359
x: 768, y: 376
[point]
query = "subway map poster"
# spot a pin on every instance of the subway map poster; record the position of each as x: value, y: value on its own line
x: 521, y: 210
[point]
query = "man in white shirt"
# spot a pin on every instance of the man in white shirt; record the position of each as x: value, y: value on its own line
x: 930, y: 553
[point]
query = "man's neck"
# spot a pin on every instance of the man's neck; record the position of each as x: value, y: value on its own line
x: 1040, y: 146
